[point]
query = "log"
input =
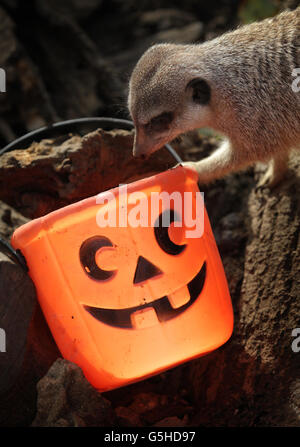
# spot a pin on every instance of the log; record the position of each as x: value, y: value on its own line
x: 254, y: 379
x: 54, y: 173
x: 26, y: 98
x: 10, y: 220
x: 66, y: 399
x: 29, y: 349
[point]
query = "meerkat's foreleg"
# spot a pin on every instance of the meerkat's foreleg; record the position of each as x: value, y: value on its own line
x: 221, y: 162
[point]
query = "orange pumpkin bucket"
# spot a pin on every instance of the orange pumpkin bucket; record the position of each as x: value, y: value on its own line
x: 130, y: 281
x: 125, y: 298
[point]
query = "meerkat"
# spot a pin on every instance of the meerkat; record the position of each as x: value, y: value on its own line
x: 244, y: 84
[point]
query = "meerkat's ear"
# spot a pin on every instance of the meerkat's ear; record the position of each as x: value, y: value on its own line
x: 200, y: 90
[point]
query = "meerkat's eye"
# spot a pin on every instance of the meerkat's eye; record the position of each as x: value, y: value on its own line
x: 200, y: 91
x: 160, y: 122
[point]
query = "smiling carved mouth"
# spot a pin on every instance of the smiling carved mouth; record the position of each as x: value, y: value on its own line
x: 121, y: 318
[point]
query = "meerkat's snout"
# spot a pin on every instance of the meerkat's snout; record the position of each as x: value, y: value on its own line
x: 153, y: 134
x: 141, y: 144
x: 169, y: 104
x: 163, y: 127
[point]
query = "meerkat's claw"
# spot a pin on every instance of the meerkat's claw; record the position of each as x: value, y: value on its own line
x: 269, y: 180
x: 275, y: 173
x: 266, y: 181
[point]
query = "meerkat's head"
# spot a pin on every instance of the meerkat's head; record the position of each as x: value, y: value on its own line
x: 168, y: 95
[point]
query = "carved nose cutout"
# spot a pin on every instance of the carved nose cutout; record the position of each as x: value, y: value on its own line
x: 145, y: 270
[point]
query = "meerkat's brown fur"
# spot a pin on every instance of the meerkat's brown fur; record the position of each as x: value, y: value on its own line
x: 243, y: 84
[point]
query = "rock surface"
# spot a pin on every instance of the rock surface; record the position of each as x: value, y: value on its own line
x: 17, y: 304
x: 53, y: 173
x: 10, y: 220
x: 29, y: 347
x: 66, y: 399
x: 256, y: 373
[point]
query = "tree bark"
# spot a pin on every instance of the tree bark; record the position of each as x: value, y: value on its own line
x: 29, y: 347
x: 254, y: 380
x: 56, y: 172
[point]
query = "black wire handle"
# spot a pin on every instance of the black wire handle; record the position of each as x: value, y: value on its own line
x: 48, y: 131
x: 15, y: 255
x: 71, y: 125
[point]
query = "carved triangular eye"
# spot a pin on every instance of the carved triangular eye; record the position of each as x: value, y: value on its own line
x: 201, y: 91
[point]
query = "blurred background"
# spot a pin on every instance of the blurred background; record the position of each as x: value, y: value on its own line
x: 73, y: 58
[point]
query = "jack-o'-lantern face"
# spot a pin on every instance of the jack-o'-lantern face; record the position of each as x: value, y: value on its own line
x: 145, y: 271
x: 127, y: 301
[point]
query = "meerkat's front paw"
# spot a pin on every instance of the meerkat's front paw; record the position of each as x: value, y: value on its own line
x: 275, y: 173
x: 269, y: 179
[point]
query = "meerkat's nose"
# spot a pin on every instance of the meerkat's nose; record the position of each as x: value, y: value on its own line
x: 143, y: 156
x: 139, y: 144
